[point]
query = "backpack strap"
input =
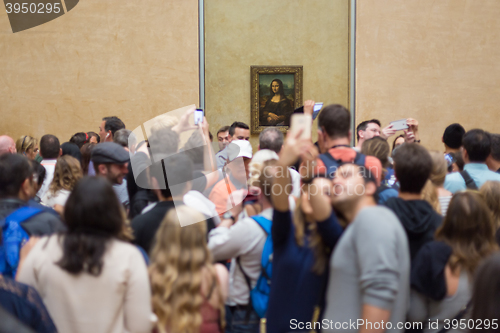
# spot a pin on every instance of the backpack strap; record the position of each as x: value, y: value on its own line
x: 331, y: 164
x: 469, y: 182
x: 20, y: 215
x: 360, y: 159
x: 264, y: 223
x: 249, y: 284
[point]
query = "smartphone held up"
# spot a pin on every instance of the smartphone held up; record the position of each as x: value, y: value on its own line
x: 198, y: 116
x: 399, y: 125
x: 316, y: 110
x: 301, y: 121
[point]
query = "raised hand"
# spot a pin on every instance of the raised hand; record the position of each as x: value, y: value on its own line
x: 412, y: 124
x: 409, y: 136
x: 184, y: 124
x: 294, y: 147
x: 309, y: 107
x: 387, y: 132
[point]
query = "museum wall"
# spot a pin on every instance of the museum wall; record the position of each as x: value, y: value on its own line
x: 239, y: 34
x: 436, y: 61
x: 131, y: 59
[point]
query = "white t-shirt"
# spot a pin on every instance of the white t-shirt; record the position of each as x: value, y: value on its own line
x: 59, y: 198
x: 295, y: 176
x: 49, y: 166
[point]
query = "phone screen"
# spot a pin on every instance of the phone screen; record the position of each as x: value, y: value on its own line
x: 198, y: 116
x: 317, y: 108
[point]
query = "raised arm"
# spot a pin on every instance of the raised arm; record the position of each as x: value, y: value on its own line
x: 293, y: 148
x: 320, y: 198
x: 209, y: 162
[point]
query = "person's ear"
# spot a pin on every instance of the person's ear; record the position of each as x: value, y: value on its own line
x: 258, y: 146
x: 321, y: 134
x: 60, y: 152
x: 26, y: 190
x: 465, y: 155
x: 102, y: 169
x: 442, y: 140
x: 370, y: 188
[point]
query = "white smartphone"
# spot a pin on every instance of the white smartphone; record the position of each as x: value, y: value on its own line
x: 317, y: 108
x: 399, y: 125
x: 301, y: 121
x: 198, y: 116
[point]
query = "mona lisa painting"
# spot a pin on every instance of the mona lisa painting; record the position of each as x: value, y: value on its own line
x: 275, y: 93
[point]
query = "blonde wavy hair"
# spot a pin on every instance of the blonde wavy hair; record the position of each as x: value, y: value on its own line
x: 25, y: 143
x: 436, y: 180
x: 178, y: 259
x: 256, y: 165
x: 66, y: 173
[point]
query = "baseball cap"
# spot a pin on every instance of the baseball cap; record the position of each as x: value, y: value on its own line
x: 239, y: 148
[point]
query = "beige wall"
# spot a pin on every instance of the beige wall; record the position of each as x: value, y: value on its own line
x: 436, y: 61
x: 131, y: 59
x: 240, y: 33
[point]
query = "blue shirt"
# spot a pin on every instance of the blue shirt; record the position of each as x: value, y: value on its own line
x: 221, y: 158
x: 479, y: 172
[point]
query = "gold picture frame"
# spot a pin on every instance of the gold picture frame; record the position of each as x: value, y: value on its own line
x: 275, y: 92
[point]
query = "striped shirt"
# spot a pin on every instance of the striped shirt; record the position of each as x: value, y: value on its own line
x: 444, y: 202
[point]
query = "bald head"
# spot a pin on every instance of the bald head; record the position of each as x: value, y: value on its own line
x: 7, y: 145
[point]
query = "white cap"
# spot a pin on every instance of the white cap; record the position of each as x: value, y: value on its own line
x: 239, y: 148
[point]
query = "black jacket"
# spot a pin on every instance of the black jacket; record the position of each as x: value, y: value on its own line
x: 427, y: 273
x: 419, y: 220
x: 41, y: 224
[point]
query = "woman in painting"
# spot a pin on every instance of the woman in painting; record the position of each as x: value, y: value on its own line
x: 278, y: 108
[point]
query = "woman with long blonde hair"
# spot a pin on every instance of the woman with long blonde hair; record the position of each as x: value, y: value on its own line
x: 434, y: 192
x: 66, y: 174
x: 188, y: 290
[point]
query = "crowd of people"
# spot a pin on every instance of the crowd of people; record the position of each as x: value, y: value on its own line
x: 108, y: 233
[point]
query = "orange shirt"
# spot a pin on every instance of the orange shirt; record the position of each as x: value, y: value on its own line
x: 220, y: 194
